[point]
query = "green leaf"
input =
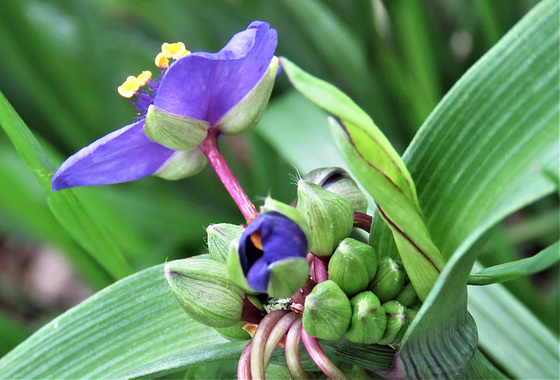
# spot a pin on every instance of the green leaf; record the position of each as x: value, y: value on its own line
x: 476, y: 160
x: 381, y: 171
x: 134, y: 327
x: 510, y: 271
x: 64, y: 204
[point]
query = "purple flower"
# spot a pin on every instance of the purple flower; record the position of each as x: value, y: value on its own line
x: 268, y: 240
x: 206, y: 87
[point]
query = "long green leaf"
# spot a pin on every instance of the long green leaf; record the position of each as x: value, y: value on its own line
x: 510, y: 271
x: 64, y: 204
x: 134, y: 327
x: 476, y: 160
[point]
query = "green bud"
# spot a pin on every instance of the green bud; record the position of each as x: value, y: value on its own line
x: 174, y: 131
x: 407, y: 296
x: 410, y: 315
x: 329, y: 215
x: 348, y: 269
x: 220, y: 237
x: 234, y: 332
x: 369, y: 320
x: 388, y: 281
x: 327, y: 312
x: 397, y: 323
x: 205, y: 291
x: 288, y: 211
x: 338, y: 181
x: 247, y: 113
x: 182, y: 165
x: 287, y: 277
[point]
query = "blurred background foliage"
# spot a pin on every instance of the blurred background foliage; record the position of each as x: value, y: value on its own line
x: 62, y: 60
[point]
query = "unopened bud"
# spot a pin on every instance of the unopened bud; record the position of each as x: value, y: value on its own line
x: 327, y: 312
x: 397, y: 323
x: 220, y: 237
x: 407, y: 297
x: 388, y: 281
x: 205, y: 291
x: 369, y: 320
x: 329, y: 215
x: 352, y: 266
x: 338, y: 181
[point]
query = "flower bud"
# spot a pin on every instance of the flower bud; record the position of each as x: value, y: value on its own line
x: 368, y: 321
x: 338, y: 181
x: 329, y: 215
x: 327, y: 311
x: 205, y: 291
x: 270, y: 256
x: 397, y: 323
x: 247, y: 113
x: 352, y: 266
x: 220, y: 237
x: 173, y: 131
x: 388, y: 281
x: 407, y: 297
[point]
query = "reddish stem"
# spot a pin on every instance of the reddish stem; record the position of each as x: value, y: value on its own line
x: 244, y: 365
x: 211, y: 150
x: 363, y: 221
x: 292, y: 351
x: 320, y: 358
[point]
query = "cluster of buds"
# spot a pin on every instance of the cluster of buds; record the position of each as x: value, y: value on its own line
x: 292, y: 274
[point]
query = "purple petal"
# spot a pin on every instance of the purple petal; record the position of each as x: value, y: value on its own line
x: 123, y: 155
x: 281, y: 238
x: 206, y: 86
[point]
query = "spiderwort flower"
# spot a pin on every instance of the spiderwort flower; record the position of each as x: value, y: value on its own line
x: 225, y: 92
x: 272, y: 255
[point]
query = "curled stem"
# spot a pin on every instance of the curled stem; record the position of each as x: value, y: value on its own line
x: 259, y: 342
x: 363, y: 221
x: 292, y: 351
x: 276, y: 335
x: 244, y: 365
x: 320, y: 358
x: 211, y: 150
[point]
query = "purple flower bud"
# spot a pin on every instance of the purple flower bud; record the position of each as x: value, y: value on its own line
x: 270, y: 239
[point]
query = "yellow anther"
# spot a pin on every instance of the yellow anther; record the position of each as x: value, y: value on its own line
x: 175, y: 51
x: 129, y: 87
x: 162, y: 61
x: 144, y: 77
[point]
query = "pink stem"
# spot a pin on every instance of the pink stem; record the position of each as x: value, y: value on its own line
x: 211, y: 150
x: 276, y: 335
x: 320, y: 358
x: 363, y: 221
x: 244, y: 365
x: 292, y: 351
x: 320, y: 270
x: 259, y: 342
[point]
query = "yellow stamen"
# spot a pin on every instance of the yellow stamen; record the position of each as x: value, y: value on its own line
x: 144, y: 77
x: 129, y: 87
x: 162, y: 61
x: 174, y: 51
x: 256, y: 239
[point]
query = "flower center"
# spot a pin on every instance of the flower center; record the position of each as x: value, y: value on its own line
x: 132, y: 85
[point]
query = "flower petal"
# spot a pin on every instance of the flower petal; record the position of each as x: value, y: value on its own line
x: 123, y: 155
x: 206, y: 86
